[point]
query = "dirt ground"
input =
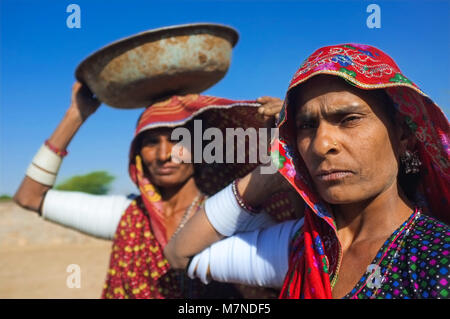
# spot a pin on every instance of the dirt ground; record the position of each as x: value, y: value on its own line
x: 35, y: 254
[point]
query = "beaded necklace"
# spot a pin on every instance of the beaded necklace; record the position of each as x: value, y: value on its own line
x: 195, y: 204
x: 194, y: 207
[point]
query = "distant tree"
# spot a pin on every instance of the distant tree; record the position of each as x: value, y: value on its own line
x: 5, y: 198
x: 97, y: 182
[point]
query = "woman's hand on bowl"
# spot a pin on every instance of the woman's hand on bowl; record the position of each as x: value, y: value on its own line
x: 270, y: 108
x: 83, y: 102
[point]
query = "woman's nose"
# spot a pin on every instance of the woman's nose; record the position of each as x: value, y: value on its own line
x: 325, y: 140
x: 164, y: 151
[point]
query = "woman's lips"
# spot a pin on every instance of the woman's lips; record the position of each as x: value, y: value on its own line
x: 167, y: 170
x: 333, y: 175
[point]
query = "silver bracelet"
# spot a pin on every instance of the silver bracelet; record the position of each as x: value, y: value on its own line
x: 240, y: 200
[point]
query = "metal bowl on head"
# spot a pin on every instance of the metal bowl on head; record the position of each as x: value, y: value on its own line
x: 136, y: 71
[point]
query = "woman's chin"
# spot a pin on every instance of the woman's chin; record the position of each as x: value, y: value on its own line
x: 166, y: 183
x: 171, y: 180
x: 340, y: 196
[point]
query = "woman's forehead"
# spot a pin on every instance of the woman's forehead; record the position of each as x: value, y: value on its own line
x: 333, y: 103
x: 159, y: 131
x: 319, y: 85
x: 325, y: 93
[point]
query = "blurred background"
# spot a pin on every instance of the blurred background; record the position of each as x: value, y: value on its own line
x: 38, y: 57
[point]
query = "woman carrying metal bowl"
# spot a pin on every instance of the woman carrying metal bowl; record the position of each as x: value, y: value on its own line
x: 170, y: 192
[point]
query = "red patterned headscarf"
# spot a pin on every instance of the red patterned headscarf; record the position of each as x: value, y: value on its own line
x: 315, y: 250
x: 138, y: 268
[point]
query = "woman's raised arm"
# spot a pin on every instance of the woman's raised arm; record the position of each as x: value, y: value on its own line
x: 222, y: 216
x: 31, y: 191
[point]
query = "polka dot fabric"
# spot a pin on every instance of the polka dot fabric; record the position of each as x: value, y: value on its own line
x: 413, y: 263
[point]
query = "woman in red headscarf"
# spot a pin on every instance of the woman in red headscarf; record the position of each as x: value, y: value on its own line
x: 368, y: 152
x: 171, y: 191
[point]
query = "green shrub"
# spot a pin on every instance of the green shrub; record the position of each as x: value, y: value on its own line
x: 5, y: 198
x: 97, y: 182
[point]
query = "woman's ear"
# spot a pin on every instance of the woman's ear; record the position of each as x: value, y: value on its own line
x: 407, y: 138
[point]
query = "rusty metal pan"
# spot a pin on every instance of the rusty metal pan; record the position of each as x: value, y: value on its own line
x: 138, y: 70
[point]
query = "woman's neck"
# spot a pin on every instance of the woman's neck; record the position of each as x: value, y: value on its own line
x: 372, y: 219
x: 177, y: 198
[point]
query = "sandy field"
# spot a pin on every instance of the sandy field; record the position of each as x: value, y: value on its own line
x: 35, y: 254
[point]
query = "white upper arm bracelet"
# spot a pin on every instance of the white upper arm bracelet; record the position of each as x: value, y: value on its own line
x: 96, y: 215
x: 227, y: 217
x: 257, y: 258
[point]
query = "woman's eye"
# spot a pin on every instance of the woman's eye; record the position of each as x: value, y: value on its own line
x: 306, y: 125
x: 150, y: 141
x: 351, y: 119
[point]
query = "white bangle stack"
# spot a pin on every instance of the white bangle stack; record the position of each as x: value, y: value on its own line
x: 255, y: 258
x: 199, y: 266
x: 45, y: 166
x: 224, y: 212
